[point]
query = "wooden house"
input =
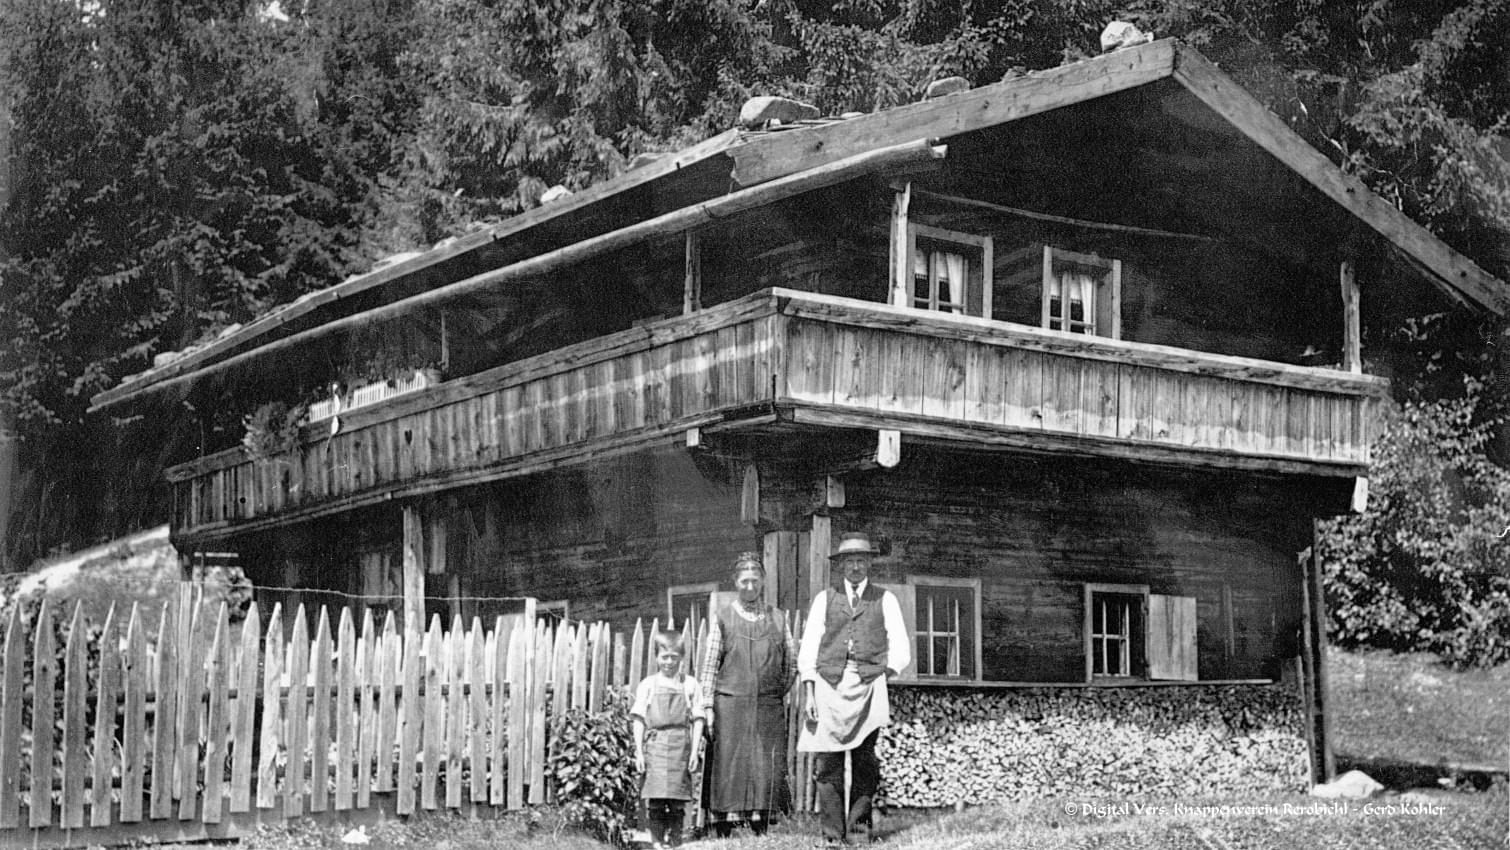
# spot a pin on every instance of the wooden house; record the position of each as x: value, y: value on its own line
x: 1083, y: 348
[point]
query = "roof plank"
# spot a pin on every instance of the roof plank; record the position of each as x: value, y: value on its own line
x: 777, y: 154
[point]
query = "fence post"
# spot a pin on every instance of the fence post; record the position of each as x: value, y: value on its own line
x: 104, y: 723
x: 44, y: 671
x: 134, y: 719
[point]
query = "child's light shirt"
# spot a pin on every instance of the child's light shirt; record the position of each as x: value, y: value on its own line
x: 655, y: 681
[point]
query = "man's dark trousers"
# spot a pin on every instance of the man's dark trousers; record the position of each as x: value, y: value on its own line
x: 866, y: 776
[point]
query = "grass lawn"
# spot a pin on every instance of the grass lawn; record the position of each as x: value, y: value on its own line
x: 1409, y: 708
x: 1420, y: 821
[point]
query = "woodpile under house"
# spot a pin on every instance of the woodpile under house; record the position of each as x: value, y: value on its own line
x: 1083, y: 348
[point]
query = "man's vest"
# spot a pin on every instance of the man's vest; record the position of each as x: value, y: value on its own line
x: 858, y: 636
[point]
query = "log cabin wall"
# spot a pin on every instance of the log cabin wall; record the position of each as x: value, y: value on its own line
x: 1036, y: 529
x: 1201, y: 294
x: 609, y: 537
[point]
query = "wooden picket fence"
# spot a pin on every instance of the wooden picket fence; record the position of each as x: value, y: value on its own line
x: 200, y: 727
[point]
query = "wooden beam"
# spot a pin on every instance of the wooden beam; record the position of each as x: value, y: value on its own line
x: 1459, y: 276
x: 833, y: 491
x: 989, y: 437
x: 692, y: 287
x: 749, y: 496
x: 1059, y: 219
x: 771, y: 156
x: 660, y: 227
x: 888, y: 448
x: 1352, y: 334
x: 899, y: 292
x: 694, y: 438
x: 414, y: 568
x: 820, y: 545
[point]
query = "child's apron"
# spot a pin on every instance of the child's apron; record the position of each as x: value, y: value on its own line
x: 667, y: 746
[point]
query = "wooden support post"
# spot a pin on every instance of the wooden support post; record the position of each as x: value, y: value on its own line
x: 435, y: 551
x: 1323, y: 695
x: 820, y: 544
x: 414, y: 571
x: 780, y: 557
x: 749, y: 496
x: 900, y: 294
x: 1352, y: 334
x: 1307, y: 671
x: 833, y: 492
x: 692, y: 292
x: 888, y: 448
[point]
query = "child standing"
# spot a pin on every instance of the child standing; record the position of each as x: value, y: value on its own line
x: 668, y: 738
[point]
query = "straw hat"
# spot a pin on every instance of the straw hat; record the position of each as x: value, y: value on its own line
x: 854, y: 543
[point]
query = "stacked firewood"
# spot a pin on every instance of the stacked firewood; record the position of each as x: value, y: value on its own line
x: 947, y: 747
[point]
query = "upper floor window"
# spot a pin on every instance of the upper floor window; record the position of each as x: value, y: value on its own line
x: 1082, y: 293
x: 951, y: 271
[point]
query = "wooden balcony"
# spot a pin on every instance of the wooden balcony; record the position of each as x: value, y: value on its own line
x: 781, y: 356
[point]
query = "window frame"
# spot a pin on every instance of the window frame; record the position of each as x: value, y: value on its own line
x: 1106, y: 320
x: 977, y: 249
x: 1092, y: 589
x: 915, y: 582
x: 707, y: 588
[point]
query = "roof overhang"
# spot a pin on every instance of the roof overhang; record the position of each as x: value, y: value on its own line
x: 730, y: 163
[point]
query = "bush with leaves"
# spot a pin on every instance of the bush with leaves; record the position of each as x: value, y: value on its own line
x: 1426, y: 568
x: 592, y: 767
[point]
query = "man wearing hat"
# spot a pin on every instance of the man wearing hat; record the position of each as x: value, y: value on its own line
x: 854, y: 640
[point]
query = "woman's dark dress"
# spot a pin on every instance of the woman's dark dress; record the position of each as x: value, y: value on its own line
x: 747, y: 759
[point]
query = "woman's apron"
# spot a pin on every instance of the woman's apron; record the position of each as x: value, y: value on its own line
x: 747, y: 763
x: 668, y: 745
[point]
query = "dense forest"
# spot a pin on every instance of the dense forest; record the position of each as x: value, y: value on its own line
x: 173, y: 167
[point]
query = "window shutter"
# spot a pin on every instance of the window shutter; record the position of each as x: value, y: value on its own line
x: 907, y: 601
x: 1171, y: 638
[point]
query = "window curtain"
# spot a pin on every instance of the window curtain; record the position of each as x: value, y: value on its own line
x: 954, y: 288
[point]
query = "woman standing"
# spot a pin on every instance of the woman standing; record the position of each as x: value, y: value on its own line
x: 750, y: 664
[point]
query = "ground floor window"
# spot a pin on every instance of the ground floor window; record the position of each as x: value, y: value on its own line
x: 1133, y: 634
x: 943, y: 617
x: 688, y: 602
x: 1114, y: 623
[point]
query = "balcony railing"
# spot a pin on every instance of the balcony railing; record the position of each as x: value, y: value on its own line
x: 785, y: 355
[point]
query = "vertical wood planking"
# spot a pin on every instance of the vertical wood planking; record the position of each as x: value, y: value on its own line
x: 390, y: 674
x: 456, y: 701
x: 191, y: 689
x: 521, y: 657
x: 477, y: 711
x: 44, y: 674
x: 108, y: 687
x: 1022, y: 403
x: 218, y: 678
x: 498, y: 733
x: 435, y: 717
x: 349, y: 663
x: 297, y: 727
x: 370, y: 662
x: 272, y: 711
x: 579, y: 664
x: 942, y: 391
x: 164, y: 718
x: 319, y: 736
x: 535, y: 757
x: 133, y: 718
x: 242, y: 740
x: 75, y: 695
